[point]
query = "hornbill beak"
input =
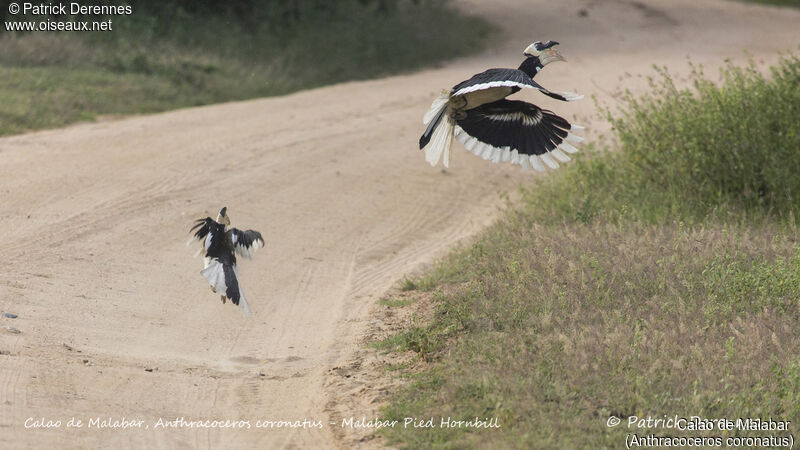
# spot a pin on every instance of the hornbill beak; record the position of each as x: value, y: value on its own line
x: 550, y: 55
x: 222, y: 217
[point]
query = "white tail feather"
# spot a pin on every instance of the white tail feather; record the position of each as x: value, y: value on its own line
x: 437, y: 105
x: 243, y: 304
x: 215, y: 275
x: 245, y: 307
x: 440, y: 143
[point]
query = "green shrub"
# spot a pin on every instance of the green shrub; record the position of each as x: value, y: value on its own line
x: 717, y: 150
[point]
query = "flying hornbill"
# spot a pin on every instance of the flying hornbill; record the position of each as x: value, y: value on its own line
x: 477, y: 113
x: 219, y: 248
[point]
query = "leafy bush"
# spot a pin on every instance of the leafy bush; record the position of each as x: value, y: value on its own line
x: 719, y: 150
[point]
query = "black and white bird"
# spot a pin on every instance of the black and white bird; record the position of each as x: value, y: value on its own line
x: 476, y: 113
x: 220, y: 247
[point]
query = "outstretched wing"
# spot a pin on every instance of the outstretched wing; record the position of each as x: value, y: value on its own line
x: 519, y: 132
x: 245, y: 242
x: 513, y: 78
x: 201, y: 228
x: 203, y: 231
x: 558, y: 95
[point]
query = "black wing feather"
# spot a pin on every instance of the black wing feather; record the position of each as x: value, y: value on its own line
x: 514, y: 76
x: 245, y: 242
x: 519, y: 125
x: 488, y: 76
x: 217, y: 248
x: 202, y: 227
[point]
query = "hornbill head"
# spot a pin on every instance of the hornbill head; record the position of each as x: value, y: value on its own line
x: 546, y: 52
x: 222, y: 217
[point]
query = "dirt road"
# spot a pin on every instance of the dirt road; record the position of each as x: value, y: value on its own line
x: 115, y: 320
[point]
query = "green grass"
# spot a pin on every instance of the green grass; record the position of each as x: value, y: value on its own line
x: 167, y: 56
x: 724, y: 151
x: 47, y: 97
x: 554, y: 328
x: 660, y: 278
x: 396, y: 302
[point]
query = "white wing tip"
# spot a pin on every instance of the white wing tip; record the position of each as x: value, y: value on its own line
x: 559, y: 155
x: 536, y: 162
x: 567, y: 147
x: 569, y: 96
x: 573, y: 138
x: 551, y: 163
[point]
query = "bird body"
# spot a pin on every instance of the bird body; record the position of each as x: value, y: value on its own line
x: 476, y: 113
x: 220, y: 246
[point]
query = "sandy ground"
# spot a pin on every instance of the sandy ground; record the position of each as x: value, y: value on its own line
x: 96, y: 217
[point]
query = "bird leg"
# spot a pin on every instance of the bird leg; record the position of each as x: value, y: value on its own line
x: 222, y: 297
x: 213, y: 289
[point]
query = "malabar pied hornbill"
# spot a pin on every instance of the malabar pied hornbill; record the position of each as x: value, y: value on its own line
x: 477, y: 114
x: 220, y: 247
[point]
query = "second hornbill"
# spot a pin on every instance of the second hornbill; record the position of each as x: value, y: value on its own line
x: 476, y: 113
x: 219, y: 248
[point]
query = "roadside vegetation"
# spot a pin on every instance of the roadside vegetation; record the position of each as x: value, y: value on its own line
x: 168, y: 55
x: 657, y: 278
